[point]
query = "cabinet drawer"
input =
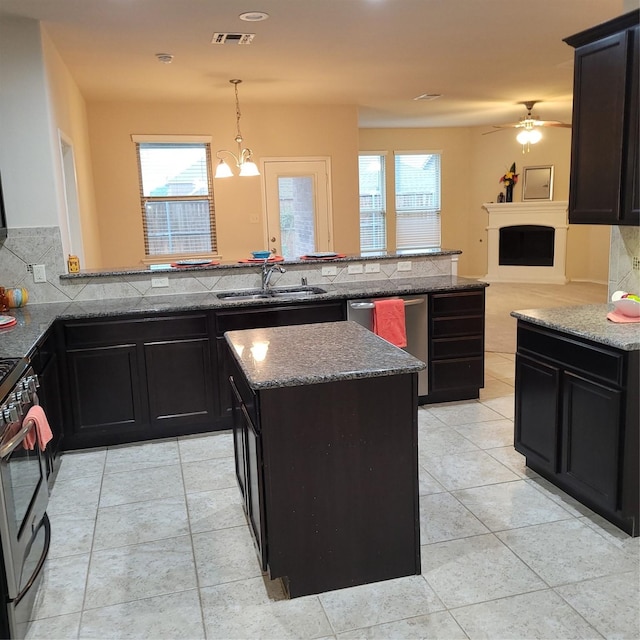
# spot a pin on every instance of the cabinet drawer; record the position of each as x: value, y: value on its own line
x: 456, y: 347
x: 457, y: 303
x: 593, y: 360
x: 457, y: 373
x: 89, y: 333
x: 253, y: 318
x: 459, y: 326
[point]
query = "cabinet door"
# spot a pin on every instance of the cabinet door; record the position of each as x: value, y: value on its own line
x: 180, y: 384
x: 105, y: 394
x: 537, y: 415
x: 249, y: 472
x: 598, y: 131
x: 591, y: 425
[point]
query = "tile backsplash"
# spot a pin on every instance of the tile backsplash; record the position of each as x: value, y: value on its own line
x: 623, y: 257
x: 43, y: 245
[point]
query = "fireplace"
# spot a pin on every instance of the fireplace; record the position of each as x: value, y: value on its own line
x: 527, y: 242
x: 529, y: 245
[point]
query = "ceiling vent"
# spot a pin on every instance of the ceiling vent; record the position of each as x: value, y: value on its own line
x: 232, y: 38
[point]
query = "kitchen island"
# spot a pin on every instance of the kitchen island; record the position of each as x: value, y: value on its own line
x: 325, y: 435
x: 577, y: 406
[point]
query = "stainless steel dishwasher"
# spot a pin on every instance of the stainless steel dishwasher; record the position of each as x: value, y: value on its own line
x: 415, y: 311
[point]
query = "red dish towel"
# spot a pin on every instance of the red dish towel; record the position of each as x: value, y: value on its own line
x: 36, y: 413
x: 388, y: 321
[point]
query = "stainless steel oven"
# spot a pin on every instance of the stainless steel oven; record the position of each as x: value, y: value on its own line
x: 24, y: 527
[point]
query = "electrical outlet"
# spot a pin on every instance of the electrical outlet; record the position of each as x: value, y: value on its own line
x: 354, y: 268
x: 636, y: 263
x: 39, y: 273
x: 159, y: 282
x: 404, y: 266
x: 329, y: 271
x: 372, y: 267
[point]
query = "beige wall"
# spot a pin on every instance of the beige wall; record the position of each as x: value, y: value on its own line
x: 70, y: 120
x: 284, y: 131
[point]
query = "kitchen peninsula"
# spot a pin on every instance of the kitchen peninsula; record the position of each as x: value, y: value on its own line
x: 577, y: 406
x: 325, y: 436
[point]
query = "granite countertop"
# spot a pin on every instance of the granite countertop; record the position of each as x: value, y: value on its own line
x: 316, y: 353
x: 167, y: 268
x: 586, y: 321
x: 35, y: 319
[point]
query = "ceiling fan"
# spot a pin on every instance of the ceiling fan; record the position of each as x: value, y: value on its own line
x: 529, y: 126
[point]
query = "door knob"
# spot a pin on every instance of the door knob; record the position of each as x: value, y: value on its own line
x: 273, y: 239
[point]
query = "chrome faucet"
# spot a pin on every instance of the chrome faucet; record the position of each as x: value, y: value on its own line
x: 267, y: 272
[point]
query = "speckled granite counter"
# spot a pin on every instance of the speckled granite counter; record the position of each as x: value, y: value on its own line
x: 315, y: 353
x: 587, y: 321
x: 35, y: 319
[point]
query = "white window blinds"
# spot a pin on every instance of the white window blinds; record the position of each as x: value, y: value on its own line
x: 373, y: 224
x: 176, y: 194
x: 417, y: 185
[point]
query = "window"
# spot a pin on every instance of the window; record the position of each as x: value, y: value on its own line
x: 176, y: 195
x: 417, y: 194
x: 373, y: 223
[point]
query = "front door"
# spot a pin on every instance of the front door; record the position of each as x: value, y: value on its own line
x: 297, y: 205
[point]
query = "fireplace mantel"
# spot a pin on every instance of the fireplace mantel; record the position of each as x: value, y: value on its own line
x: 548, y: 213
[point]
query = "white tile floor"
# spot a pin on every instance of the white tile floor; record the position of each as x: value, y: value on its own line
x: 150, y: 541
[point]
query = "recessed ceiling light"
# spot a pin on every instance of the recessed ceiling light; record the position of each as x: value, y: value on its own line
x: 253, y: 16
x: 428, y: 96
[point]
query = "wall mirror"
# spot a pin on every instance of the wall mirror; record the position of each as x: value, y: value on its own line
x: 537, y: 183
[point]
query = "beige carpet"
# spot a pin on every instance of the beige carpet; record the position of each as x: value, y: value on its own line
x: 502, y: 298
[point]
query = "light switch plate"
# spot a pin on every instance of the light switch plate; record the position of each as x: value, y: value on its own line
x: 329, y: 271
x: 404, y: 266
x: 354, y: 268
x: 159, y: 282
x: 372, y: 267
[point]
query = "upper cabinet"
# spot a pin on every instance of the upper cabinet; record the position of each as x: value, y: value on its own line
x: 604, y: 147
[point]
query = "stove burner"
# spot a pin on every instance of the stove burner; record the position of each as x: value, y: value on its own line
x: 7, y: 365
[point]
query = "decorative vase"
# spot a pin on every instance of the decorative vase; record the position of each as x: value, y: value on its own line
x: 16, y: 297
x: 509, y: 193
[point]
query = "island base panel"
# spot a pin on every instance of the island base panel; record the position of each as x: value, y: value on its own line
x: 341, y: 482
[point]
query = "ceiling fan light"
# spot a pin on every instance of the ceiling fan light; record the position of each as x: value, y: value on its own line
x: 534, y: 136
x: 523, y: 137
x: 223, y: 170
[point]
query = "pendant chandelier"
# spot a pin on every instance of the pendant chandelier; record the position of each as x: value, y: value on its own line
x: 243, y: 157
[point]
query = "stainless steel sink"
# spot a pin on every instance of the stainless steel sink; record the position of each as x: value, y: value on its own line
x: 275, y: 292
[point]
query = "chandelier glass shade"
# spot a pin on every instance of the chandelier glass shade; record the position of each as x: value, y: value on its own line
x: 242, y: 158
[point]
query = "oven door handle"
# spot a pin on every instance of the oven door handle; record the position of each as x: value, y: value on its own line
x: 408, y: 302
x: 45, y: 551
x: 12, y: 443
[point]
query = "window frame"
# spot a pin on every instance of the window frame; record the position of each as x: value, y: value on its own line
x: 178, y: 140
x: 430, y: 211
x: 382, y: 155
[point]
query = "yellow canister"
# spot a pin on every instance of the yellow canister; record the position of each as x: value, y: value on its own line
x: 73, y: 264
x: 16, y: 297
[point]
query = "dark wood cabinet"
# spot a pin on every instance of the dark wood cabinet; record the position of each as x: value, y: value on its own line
x: 45, y: 363
x: 256, y: 317
x: 139, y: 378
x: 604, y: 149
x: 576, y: 419
x: 330, y: 491
x: 249, y: 463
x: 456, y: 345
x: 537, y: 421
